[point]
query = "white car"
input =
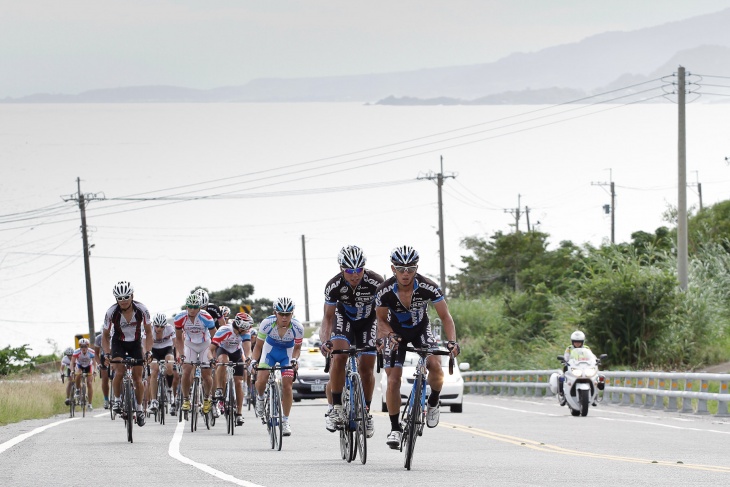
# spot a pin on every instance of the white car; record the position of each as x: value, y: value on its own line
x: 452, y: 393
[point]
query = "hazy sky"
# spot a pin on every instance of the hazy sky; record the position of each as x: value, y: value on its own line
x: 71, y: 46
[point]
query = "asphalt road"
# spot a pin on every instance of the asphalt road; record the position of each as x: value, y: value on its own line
x: 495, y: 441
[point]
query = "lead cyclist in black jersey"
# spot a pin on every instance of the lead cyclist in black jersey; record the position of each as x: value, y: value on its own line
x: 402, y: 302
x: 349, y: 318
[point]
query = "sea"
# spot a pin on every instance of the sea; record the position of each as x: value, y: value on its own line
x: 185, y: 195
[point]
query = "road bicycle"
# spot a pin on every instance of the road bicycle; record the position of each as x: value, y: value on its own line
x: 178, y: 394
x: 83, y: 395
x: 413, y: 417
x: 162, y: 397
x: 128, y: 397
x: 273, y: 411
x: 353, y: 434
x: 72, y: 397
x: 196, y: 401
x: 230, y: 408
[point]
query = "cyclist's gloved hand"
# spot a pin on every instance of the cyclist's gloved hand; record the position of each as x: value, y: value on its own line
x: 294, y: 363
x: 252, y: 367
x: 181, y: 359
x: 453, y: 347
x: 326, y: 348
x: 213, y: 362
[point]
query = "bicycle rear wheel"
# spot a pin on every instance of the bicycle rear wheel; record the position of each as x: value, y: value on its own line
x: 161, y: 399
x: 129, y: 407
x: 415, y: 417
x: 347, y: 447
x: 111, y: 396
x: 276, y: 418
x: 359, y: 416
x: 231, y: 408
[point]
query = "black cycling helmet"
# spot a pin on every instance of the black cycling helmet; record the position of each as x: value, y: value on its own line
x: 404, y: 255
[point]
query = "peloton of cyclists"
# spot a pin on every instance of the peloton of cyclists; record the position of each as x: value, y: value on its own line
x: 349, y: 318
x: 279, y: 340
x: 82, y: 362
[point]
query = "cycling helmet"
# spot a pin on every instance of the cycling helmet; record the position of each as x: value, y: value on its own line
x: 225, y: 311
x: 242, y: 322
x: 160, y: 320
x: 404, y: 255
x: 123, y: 288
x: 578, y: 336
x: 68, y: 351
x: 193, y: 300
x: 284, y: 305
x: 84, y: 342
x: 351, y: 257
x: 203, y: 295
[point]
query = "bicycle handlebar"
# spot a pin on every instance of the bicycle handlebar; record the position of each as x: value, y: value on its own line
x: 350, y: 352
x: 425, y: 352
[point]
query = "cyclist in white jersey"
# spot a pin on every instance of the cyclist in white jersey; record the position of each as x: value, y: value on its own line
x: 163, y: 335
x: 66, y: 372
x: 194, y: 329
x: 82, y: 361
x: 233, y: 343
x: 279, y: 340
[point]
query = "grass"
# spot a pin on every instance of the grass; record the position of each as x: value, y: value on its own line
x: 36, y: 397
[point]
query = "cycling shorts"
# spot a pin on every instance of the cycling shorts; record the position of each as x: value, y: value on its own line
x: 236, y: 356
x: 419, y: 337
x: 362, y: 333
x: 271, y: 355
x: 161, y: 353
x: 197, y: 352
x: 122, y: 349
x: 83, y: 370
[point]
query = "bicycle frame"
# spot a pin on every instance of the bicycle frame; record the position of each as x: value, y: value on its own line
x: 273, y: 410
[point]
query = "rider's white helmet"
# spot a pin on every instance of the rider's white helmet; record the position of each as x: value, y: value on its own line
x: 578, y: 336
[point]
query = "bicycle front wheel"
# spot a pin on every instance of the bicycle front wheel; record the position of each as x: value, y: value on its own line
x: 359, y: 416
x: 413, y: 420
x: 231, y: 407
x: 276, y: 418
x: 161, y: 399
x: 347, y: 448
x: 194, y: 405
x: 82, y: 395
x: 129, y: 408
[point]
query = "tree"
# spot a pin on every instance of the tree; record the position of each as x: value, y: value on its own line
x: 14, y: 359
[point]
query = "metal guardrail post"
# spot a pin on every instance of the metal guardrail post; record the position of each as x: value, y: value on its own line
x: 659, y: 400
x: 722, y: 403
x: 673, y: 403
x: 687, y: 402
x: 650, y: 399
x: 637, y: 403
x: 627, y: 397
x: 701, y: 402
x: 615, y: 395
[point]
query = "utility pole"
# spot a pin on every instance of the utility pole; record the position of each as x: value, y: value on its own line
x: 682, y: 258
x: 82, y: 199
x: 527, y: 217
x: 516, y: 213
x: 699, y: 187
x: 306, y: 286
x: 439, y: 183
x: 612, y: 208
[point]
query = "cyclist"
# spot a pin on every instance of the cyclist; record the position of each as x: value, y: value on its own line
x: 279, y: 340
x: 349, y: 317
x: 402, y: 302
x: 103, y: 369
x: 66, y: 372
x: 194, y: 329
x: 82, y: 361
x: 213, y: 310
x: 125, y: 324
x: 233, y: 342
x: 163, y: 333
x: 225, y: 314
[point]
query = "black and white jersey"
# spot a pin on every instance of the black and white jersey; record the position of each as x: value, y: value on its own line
x: 424, y: 291
x: 355, y: 303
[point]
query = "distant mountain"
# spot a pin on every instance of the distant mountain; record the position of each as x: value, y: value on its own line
x: 595, y: 64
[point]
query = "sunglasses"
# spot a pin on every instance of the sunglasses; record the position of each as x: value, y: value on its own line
x: 353, y: 271
x: 160, y: 326
x: 193, y: 306
x: 283, y: 314
x: 124, y: 298
x: 407, y: 269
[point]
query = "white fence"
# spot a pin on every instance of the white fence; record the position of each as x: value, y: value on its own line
x: 668, y: 391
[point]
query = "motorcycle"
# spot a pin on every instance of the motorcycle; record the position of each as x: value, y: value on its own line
x: 581, y: 381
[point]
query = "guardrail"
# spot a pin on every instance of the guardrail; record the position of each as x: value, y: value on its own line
x: 683, y: 392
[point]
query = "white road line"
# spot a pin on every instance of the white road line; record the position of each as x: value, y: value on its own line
x: 174, y: 451
x: 101, y: 415
x: 25, y: 436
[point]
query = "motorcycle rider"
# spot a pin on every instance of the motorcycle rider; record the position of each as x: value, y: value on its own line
x: 577, y: 340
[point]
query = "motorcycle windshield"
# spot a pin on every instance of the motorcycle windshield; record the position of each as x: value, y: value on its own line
x: 582, y: 356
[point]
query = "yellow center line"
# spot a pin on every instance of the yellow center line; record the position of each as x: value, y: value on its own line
x: 543, y: 447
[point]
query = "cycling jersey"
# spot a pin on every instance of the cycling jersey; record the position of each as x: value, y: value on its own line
x: 215, y: 312
x: 84, y: 359
x: 196, y: 330
x: 268, y: 332
x: 355, y: 303
x: 424, y: 291
x: 168, y: 333
x: 122, y: 330
x: 227, y: 339
x: 66, y: 360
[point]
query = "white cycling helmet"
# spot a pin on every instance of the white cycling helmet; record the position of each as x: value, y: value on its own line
x: 284, y: 305
x: 225, y: 311
x: 160, y: 320
x: 193, y: 300
x: 578, y: 336
x: 351, y: 257
x: 123, y: 289
x: 203, y: 295
x: 68, y: 351
x: 84, y: 342
x: 243, y: 321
